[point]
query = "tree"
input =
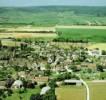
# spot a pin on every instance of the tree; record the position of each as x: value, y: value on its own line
x: 0, y: 44
x: 9, y: 82
x: 74, y: 68
x: 103, y: 52
x: 99, y: 68
x: 30, y: 84
x: 36, y: 97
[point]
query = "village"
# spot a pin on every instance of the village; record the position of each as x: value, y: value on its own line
x: 37, y: 64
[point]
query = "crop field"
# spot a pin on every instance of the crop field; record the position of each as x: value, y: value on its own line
x: 71, y: 93
x: 85, y: 34
x: 97, y: 92
x: 101, y: 46
x: 28, y: 32
x: 27, y: 35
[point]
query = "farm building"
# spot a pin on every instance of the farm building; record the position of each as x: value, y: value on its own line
x: 73, y: 82
x: 17, y: 84
x: 95, y: 52
x: 44, y: 90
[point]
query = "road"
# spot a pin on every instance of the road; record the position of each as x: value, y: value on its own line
x: 87, y: 89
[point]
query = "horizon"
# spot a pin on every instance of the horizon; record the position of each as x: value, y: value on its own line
x: 27, y: 3
x: 48, y: 6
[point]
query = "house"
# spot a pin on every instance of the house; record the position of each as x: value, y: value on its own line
x: 41, y: 80
x: 95, y: 52
x: 45, y: 90
x: 88, y: 65
x: 73, y: 82
x: 17, y: 84
x: 22, y: 74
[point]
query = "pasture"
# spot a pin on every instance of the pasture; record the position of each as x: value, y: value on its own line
x: 97, y: 92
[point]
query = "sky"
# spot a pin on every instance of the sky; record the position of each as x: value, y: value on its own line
x: 52, y: 2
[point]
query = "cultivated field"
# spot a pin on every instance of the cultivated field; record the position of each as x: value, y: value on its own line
x: 101, y: 46
x: 70, y: 93
x: 97, y: 92
x: 80, y: 27
x: 82, y: 34
x: 95, y: 35
x: 27, y: 35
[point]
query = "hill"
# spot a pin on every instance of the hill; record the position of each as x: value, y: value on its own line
x: 53, y: 15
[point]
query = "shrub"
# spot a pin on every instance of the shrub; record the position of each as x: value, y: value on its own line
x: 103, y: 75
x: 42, y: 85
x: 99, y: 68
x: 36, y: 97
x: 50, y: 95
x: 9, y: 92
x: 31, y: 85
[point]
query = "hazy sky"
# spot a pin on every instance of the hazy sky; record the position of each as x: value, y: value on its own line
x: 52, y: 2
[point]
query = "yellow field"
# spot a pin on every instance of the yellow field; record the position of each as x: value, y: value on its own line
x: 97, y: 92
x: 101, y: 46
x: 27, y: 35
x: 28, y: 28
x: 71, y: 93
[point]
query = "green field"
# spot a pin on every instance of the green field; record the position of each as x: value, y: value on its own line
x: 97, y: 92
x: 25, y: 96
x: 84, y: 34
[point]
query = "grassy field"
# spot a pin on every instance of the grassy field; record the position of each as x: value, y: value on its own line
x: 25, y: 96
x: 97, y: 92
x: 7, y: 42
x: 70, y: 93
x: 101, y: 46
x: 85, y: 34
